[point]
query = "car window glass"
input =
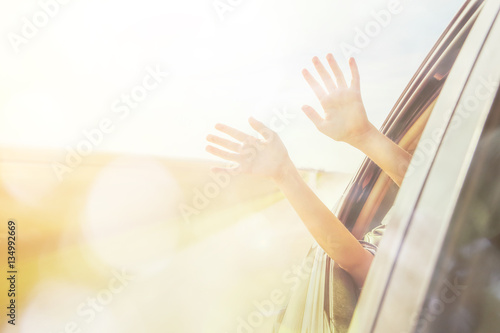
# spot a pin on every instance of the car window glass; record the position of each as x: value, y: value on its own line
x: 464, y: 294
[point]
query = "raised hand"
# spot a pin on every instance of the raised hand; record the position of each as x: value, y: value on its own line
x: 262, y: 157
x: 344, y: 113
x: 345, y: 118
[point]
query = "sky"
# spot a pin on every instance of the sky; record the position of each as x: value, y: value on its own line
x: 65, y: 75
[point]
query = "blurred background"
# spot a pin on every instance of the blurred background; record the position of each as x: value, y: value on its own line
x: 104, y: 110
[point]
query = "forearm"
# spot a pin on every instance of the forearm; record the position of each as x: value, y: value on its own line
x: 324, y: 226
x: 391, y: 158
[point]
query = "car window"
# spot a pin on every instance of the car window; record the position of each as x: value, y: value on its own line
x: 398, y: 282
x: 464, y: 294
x: 372, y: 192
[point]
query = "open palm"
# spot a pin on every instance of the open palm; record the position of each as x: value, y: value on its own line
x: 262, y: 157
x: 344, y: 113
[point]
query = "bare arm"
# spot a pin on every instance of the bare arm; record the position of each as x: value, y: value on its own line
x: 270, y: 158
x: 390, y: 157
x: 345, y: 118
x: 325, y: 227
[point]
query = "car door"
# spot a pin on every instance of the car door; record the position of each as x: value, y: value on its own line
x: 407, y: 273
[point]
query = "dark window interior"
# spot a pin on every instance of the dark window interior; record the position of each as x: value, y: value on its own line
x: 464, y: 295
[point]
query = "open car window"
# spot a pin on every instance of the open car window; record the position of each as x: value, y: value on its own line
x: 371, y: 192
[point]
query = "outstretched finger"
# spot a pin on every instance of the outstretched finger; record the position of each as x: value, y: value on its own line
x: 336, y: 71
x: 228, y: 144
x: 233, y: 132
x: 325, y: 76
x: 313, y: 115
x: 355, y: 74
x: 263, y: 130
x: 315, y: 86
x: 223, y: 154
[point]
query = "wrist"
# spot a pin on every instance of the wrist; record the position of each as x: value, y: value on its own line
x: 360, y: 141
x: 286, y: 171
